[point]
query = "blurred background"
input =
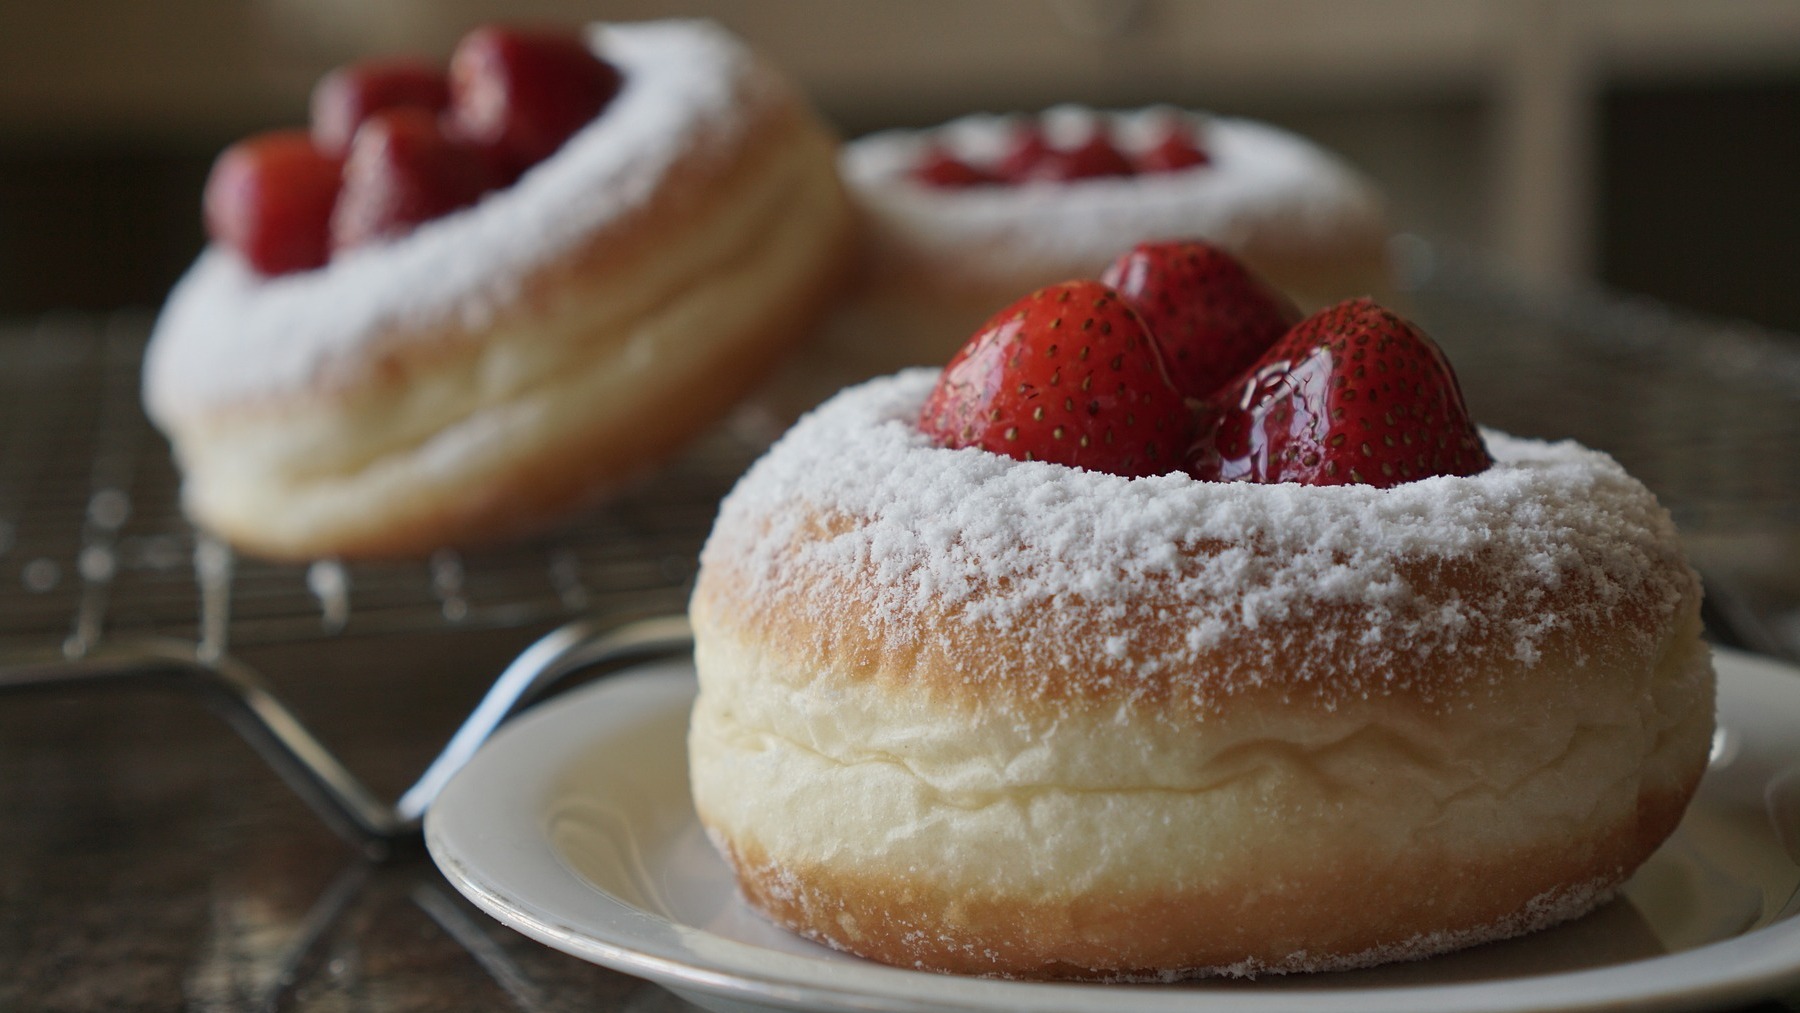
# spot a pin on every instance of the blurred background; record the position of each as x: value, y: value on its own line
x: 1652, y: 145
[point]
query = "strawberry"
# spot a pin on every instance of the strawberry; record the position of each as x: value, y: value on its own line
x: 347, y: 96
x: 1353, y: 394
x: 1029, y: 147
x: 1092, y: 159
x: 1175, y: 150
x: 403, y: 169
x: 269, y: 197
x: 939, y: 168
x: 1067, y: 375
x: 1209, y: 313
x: 524, y: 93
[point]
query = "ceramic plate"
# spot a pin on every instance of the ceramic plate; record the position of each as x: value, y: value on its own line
x: 573, y: 826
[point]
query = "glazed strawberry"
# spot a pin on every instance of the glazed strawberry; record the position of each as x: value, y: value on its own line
x: 1211, y: 316
x: 1068, y: 375
x: 404, y: 169
x: 1353, y: 394
x: 269, y: 197
x: 939, y: 168
x: 344, y: 98
x: 1176, y: 149
x: 524, y: 93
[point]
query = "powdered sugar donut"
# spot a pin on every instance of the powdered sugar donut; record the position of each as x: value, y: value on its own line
x: 985, y: 716
x: 939, y: 260
x: 504, y: 363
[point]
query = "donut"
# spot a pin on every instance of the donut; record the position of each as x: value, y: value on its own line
x: 979, y: 715
x: 938, y: 259
x: 506, y: 363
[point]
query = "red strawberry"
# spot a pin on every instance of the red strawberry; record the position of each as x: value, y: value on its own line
x: 403, y: 170
x: 347, y: 96
x: 1209, y: 313
x: 1029, y: 147
x: 1353, y: 394
x: 524, y: 93
x: 939, y: 168
x: 1033, y: 158
x: 1092, y: 159
x: 1175, y: 150
x: 1068, y: 375
x: 269, y: 197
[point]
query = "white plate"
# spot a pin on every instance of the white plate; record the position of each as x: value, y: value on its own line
x: 573, y: 826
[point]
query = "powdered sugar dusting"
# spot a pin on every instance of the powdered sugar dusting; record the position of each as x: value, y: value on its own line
x: 1262, y: 180
x: 1175, y: 570
x: 228, y: 333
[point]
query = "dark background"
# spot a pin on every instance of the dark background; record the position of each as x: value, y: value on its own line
x: 111, y: 112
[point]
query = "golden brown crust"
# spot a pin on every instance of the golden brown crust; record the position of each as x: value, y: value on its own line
x: 1274, y: 663
x: 544, y: 487
x: 1347, y: 910
x: 1398, y: 878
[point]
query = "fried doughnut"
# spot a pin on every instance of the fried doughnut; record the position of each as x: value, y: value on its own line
x: 501, y: 365
x: 984, y: 716
x: 938, y: 261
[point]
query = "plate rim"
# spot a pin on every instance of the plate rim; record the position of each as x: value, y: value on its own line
x: 1761, y: 962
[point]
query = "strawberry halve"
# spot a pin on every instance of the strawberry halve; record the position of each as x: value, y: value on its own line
x: 1192, y: 344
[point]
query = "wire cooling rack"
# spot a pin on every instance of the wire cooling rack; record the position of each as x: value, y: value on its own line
x: 103, y: 581
x: 93, y: 544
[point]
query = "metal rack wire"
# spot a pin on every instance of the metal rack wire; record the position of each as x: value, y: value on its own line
x: 93, y: 544
x: 103, y: 582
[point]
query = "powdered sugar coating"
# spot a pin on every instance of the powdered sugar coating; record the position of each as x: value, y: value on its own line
x: 229, y: 334
x: 1564, y: 540
x: 1263, y: 183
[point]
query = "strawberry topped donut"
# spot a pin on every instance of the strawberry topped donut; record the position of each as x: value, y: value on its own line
x: 468, y: 302
x: 963, y: 217
x: 1166, y: 633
